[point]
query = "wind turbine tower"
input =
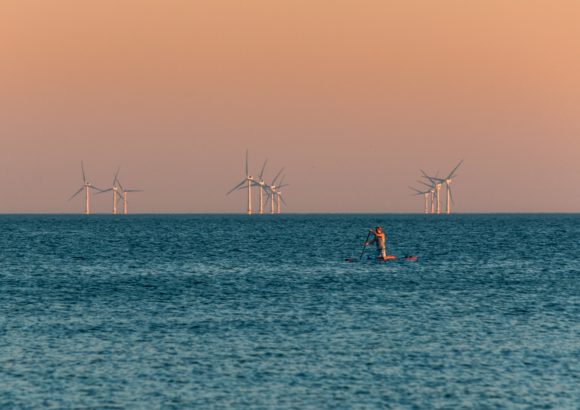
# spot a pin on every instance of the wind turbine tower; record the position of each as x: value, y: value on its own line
x: 448, y: 182
x: 262, y: 186
x: 438, y: 189
x: 279, y: 195
x: 430, y: 194
x: 249, y: 181
x: 116, y: 194
x: 426, y: 195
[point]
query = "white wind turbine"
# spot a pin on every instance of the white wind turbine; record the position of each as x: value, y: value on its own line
x: 87, y: 186
x: 116, y: 188
x: 248, y: 181
x: 272, y: 192
x: 278, y: 192
x: 125, y: 192
x: 448, y: 182
x: 262, y: 186
x: 426, y: 195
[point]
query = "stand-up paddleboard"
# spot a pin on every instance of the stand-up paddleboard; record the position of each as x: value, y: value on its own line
x: 379, y: 259
x: 369, y: 258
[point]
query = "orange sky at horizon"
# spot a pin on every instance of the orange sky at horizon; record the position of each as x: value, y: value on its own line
x: 353, y: 98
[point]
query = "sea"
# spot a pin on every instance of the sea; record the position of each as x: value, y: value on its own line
x: 263, y: 312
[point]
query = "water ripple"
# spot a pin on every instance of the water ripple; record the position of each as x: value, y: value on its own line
x: 230, y: 311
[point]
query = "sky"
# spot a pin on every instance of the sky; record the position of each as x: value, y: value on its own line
x: 353, y: 98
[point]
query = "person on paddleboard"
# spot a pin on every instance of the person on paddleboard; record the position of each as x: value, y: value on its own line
x: 380, y: 240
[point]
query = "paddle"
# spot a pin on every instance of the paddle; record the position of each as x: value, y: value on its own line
x: 365, y: 246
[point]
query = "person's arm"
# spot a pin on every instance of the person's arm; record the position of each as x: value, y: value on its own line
x: 374, y: 240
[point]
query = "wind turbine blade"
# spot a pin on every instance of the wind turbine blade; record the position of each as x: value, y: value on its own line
x: 102, y: 192
x: 427, y: 185
x: 76, y: 193
x: 83, y: 171
x: 120, y: 186
x: 252, y: 183
x: 263, y: 168
x: 277, y: 176
x: 282, y: 198
x: 434, y: 179
x: 282, y: 186
x: 133, y: 190
x: 452, y: 173
x: 236, y: 187
x: 116, y: 176
x: 427, y: 176
x: 94, y: 187
x: 416, y: 190
x: 451, y: 195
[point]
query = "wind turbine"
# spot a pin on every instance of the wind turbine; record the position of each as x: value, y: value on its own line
x: 279, y: 194
x: 261, y: 186
x: 426, y: 195
x: 87, y: 186
x: 272, y: 191
x: 125, y: 191
x: 249, y: 181
x: 116, y: 194
x: 448, y: 182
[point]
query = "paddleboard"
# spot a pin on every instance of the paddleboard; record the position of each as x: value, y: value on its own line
x: 379, y: 259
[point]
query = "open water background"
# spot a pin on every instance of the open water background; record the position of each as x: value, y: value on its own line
x: 262, y: 312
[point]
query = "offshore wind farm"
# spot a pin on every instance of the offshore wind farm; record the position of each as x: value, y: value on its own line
x: 269, y: 196
x: 432, y: 195
x: 270, y: 193
x: 119, y: 192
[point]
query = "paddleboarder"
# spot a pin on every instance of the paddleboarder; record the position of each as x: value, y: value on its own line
x: 380, y: 240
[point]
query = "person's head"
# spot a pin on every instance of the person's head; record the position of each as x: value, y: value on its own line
x: 379, y: 229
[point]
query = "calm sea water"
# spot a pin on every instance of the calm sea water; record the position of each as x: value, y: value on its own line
x: 263, y: 312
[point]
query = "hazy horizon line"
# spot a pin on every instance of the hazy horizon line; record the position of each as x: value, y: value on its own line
x: 286, y: 214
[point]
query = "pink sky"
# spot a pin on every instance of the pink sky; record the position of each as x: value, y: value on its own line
x: 352, y: 97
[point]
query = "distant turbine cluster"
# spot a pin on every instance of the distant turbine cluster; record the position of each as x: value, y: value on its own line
x: 432, y: 194
x: 119, y: 192
x: 271, y: 193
